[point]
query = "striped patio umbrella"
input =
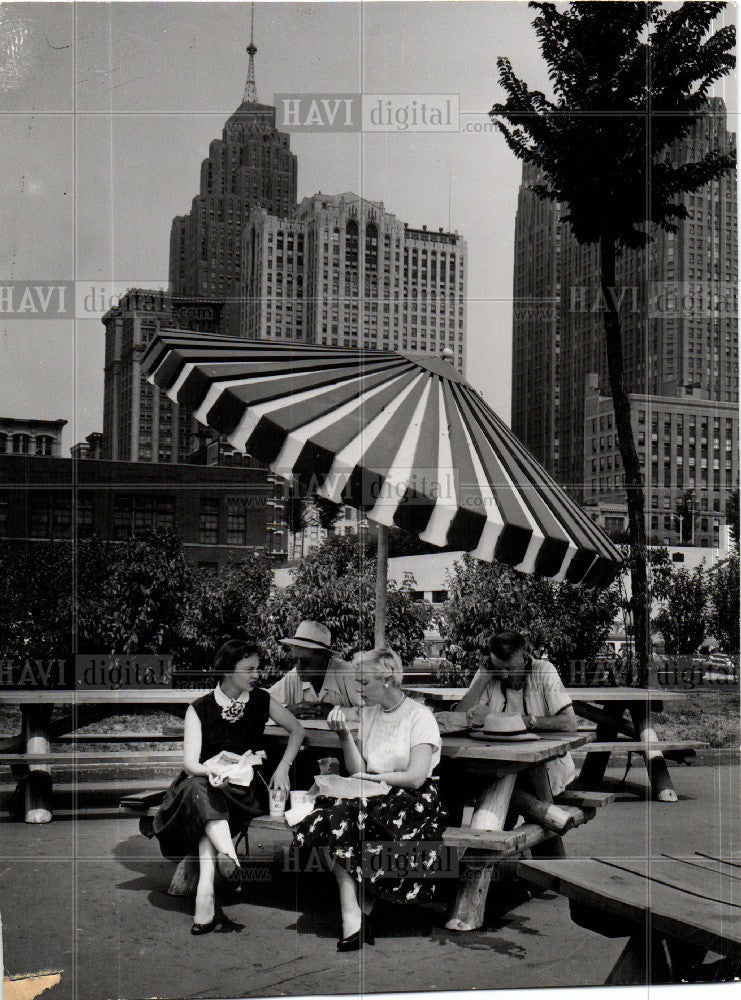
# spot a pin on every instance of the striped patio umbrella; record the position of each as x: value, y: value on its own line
x: 401, y: 437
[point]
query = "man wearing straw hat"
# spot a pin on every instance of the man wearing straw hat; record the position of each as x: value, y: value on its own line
x: 318, y: 676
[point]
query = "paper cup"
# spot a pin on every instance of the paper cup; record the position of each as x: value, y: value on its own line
x: 277, y: 802
x: 299, y: 798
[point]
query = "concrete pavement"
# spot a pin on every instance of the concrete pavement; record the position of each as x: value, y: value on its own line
x: 87, y: 897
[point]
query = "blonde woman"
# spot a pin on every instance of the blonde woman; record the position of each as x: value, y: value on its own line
x: 399, y: 743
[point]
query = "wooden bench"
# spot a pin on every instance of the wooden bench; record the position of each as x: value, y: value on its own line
x: 266, y: 839
x: 673, y: 910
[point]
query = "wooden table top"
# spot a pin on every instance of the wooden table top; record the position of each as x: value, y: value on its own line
x: 696, y: 897
x: 460, y: 746
x: 597, y: 695
x: 184, y: 696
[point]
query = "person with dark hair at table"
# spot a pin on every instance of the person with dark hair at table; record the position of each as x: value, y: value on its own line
x: 512, y: 682
x: 319, y: 679
x: 201, y: 810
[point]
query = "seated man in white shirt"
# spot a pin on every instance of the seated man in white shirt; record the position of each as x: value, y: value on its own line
x: 514, y: 683
x: 318, y: 677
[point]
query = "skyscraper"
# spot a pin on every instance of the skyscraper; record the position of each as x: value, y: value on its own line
x: 251, y: 165
x: 139, y: 423
x: 344, y: 272
x: 678, y: 306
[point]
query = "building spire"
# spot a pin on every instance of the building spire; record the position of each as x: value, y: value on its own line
x: 250, y: 88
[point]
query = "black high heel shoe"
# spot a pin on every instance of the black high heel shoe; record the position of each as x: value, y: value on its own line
x: 363, y: 935
x: 219, y: 922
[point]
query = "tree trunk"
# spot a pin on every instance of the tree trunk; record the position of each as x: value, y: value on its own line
x: 639, y: 602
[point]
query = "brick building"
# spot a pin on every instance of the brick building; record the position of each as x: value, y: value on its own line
x: 219, y: 513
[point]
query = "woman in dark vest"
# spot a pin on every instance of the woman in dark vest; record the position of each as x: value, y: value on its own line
x: 201, y: 810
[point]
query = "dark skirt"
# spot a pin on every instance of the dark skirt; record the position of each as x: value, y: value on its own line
x: 389, y: 843
x: 190, y: 802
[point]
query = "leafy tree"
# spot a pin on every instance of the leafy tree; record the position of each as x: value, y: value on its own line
x: 723, y: 592
x: 140, y: 603
x: 683, y: 618
x: 335, y: 585
x: 490, y: 597
x: 230, y: 606
x: 630, y: 80
x: 327, y: 512
x: 36, y: 591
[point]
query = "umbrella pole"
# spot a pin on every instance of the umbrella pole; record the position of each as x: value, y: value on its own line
x: 382, y: 565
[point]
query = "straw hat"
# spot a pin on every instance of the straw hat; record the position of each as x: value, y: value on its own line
x: 311, y: 635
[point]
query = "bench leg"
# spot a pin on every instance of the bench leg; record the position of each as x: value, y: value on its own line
x: 37, y: 785
x: 467, y: 913
x: 642, y: 962
x: 595, y: 764
x: 659, y: 778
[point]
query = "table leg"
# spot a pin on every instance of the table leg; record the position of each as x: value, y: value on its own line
x: 642, y: 962
x: 656, y: 766
x: 593, y: 769
x: 541, y: 786
x: 37, y: 783
x: 467, y: 913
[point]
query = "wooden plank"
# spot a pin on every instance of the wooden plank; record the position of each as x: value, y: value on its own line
x: 728, y: 871
x: 499, y: 841
x: 588, y: 800
x: 121, y: 737
x: 671, y: 911
x: 639, y: 746
x: 600, y: 695
x: 103, y: 757
x: 678, y: 875
x: 88, y: 696
x: 525, y: 752
x: 730, y: 858
x: 141, y: 801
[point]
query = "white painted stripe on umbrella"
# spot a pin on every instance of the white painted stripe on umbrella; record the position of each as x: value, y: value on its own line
x: 215, y: 390
x: 295, y: 441
x: 571, y: 552
x: 494, y: 521
x: 436, y: 532
x: 346, y: 460
x: 396, y: 479
x: 255, y: 412
x: 176, y: 386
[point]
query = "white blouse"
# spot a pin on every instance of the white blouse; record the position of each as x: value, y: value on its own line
x: 387, y: 738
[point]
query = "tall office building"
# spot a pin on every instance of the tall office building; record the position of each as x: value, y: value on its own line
x: 344, y: 272
x: 678, y: 306
x: 139, y: 423
x: 251, y: 165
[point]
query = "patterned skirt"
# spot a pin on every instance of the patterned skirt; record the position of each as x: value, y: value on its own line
x: 392, y: 843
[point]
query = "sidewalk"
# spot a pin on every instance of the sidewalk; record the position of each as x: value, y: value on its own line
x: 88, y: 898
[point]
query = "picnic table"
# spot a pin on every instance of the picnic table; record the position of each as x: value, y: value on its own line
x: 674, y: 910
x: 29, y: 753
x: 608, y: 708
x: 482, y: 842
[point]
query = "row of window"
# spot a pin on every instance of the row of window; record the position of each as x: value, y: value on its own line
x: 25, y: 444
x: 52, y: 517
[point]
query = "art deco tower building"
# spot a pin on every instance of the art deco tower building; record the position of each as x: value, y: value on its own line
x: 250, y: 166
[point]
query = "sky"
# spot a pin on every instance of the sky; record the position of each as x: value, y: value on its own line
x: 107, y: 110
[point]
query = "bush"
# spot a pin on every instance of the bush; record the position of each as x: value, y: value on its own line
x: 336, y: 585
x: 492, y: 597
x: 683, y: 618
x: 229, y: 606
